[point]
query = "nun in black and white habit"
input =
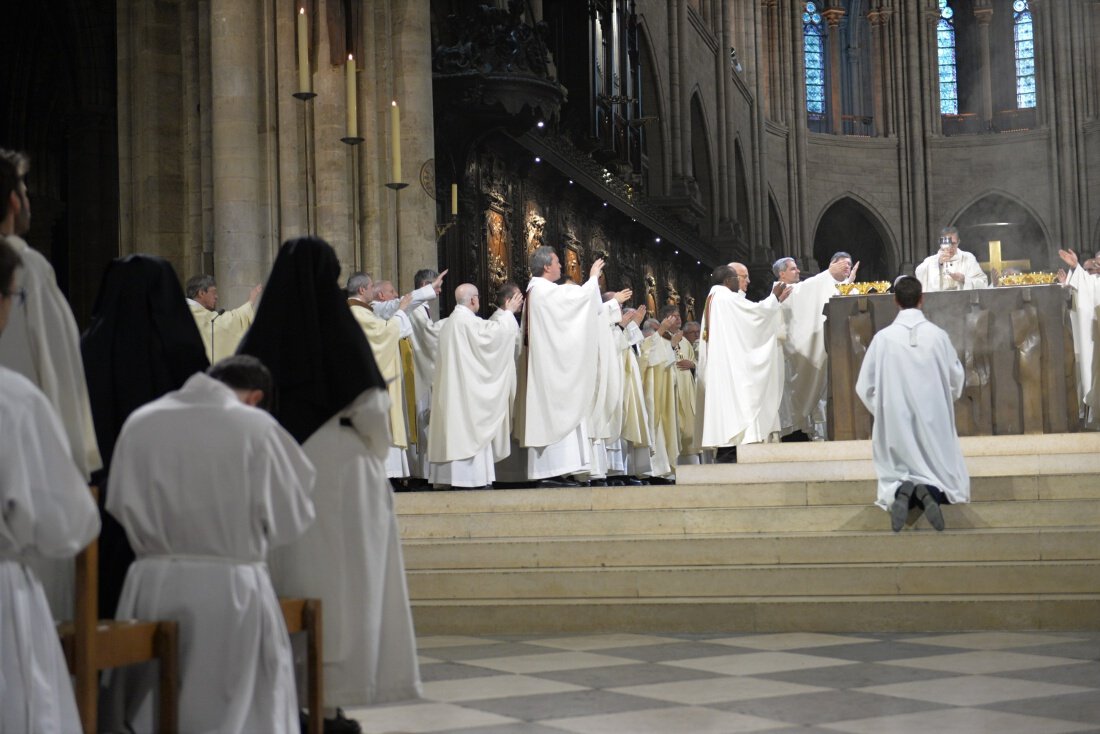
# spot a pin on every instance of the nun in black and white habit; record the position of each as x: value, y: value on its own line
x: 333, y: 400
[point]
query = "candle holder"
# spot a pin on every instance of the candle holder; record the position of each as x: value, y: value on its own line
x: 354, y: 141
x: 442, y: 229
x: 395, y: 186
x: 305, y: 96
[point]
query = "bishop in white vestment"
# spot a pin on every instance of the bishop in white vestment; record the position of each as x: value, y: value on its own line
x: 473, y: 392
x: 557, y: 372
x: 205, y: 486
x: 950, y: 269
x: 806, y: 368
x: 739, y: 364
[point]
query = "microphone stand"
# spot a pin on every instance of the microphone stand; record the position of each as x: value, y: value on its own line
x: 219, y: 313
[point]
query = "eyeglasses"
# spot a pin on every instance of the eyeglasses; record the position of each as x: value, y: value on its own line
x: 20, y: 296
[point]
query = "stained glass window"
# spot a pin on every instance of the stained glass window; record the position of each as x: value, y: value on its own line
x: 945, y: 46
x: 1023, y: 33
x: 813, y: 47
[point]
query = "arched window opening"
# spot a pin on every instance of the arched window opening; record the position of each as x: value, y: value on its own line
x: 1023, y: 34
x: 945, y: 45
x: 813, y: 49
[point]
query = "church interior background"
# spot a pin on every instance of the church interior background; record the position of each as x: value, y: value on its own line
x: 667, y: 136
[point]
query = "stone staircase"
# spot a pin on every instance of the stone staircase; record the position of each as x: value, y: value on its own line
x: 785, y: 540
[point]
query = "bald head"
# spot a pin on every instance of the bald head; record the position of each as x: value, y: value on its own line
x: 742, y: 276
x: 465, y: 295
x: 384, y: 291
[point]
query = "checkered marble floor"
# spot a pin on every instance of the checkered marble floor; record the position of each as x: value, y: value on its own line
x: 1003, y: 682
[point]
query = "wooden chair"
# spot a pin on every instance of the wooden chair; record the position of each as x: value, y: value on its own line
x: 304, y: 615
x: 92, y: 645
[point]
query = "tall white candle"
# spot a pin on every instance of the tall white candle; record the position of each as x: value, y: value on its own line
x: 303, y: 52
x: 395, y: 140
x: 353, y: 103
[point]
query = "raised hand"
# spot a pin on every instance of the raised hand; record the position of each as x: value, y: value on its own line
x: 1069, y: 257
x: 438, y: 282
x: 623, y: 296
x: 597, y: 268
x: 515, y: 303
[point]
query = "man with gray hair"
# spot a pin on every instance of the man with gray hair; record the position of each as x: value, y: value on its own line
x: 559, y: 328
x: 471, y: 399
x: 802, y: 337
x: 424, y: 343
x: 385, y: 337
x: 221, y: 330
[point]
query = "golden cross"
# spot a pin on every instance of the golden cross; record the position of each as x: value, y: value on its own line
x: 996, y: 265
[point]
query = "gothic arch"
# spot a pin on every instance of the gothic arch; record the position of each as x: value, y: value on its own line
x: 657, y: 133
x: 1028, y: 239
x: 702, y: 164
x: 852, y: 224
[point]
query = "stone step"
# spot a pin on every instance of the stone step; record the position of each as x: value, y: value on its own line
x: 1012, y: 544
x: 1041, y: 464
x: 759, y: 614
x: 770, y: 581
x: 1046, y: 443
x: 709, y: 520
x: 761, y: 494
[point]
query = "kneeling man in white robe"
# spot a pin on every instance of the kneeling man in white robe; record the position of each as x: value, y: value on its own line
x: 472, y: 393
x: 910, y: 380
x: 204, y: 485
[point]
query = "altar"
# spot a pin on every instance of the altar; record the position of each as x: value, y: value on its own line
x: 1015, y: 345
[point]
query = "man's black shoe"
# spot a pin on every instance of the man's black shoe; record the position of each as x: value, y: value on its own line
x: 899, y: 510
x: 931, y: 506
x: 342, y: 725
x: 633, y: 482
x: 555, y: 483
x: 726, y: 455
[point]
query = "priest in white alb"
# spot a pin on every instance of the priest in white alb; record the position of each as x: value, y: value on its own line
x: 803, y: 328
x: 557, y: 372
x: 47, y: 511
x: 221, y: 330
x: 909, y: 382
x: 205, y: 484
x: 658, y: 364
x: 739, y: 362
x: 1084, y: 323
x: 385, y: 337
x: 41, y: 342
x: 949, y: 268
x: 424, y: 341
x: 473, y: 392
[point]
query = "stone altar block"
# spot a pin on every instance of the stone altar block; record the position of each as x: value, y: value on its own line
x: 1015, y: 344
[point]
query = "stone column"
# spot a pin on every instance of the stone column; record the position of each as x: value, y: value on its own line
x: 983, y: 12
x: 674, y: 92
x: 239, y: 259
x: 878, y: 19
x: 682, y: 27
x: 929, y: 54
x: 333, y: 160
x: 723, y: 71
x: 413, y: 88
x: 833, y: 16
x: 768, y: 66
